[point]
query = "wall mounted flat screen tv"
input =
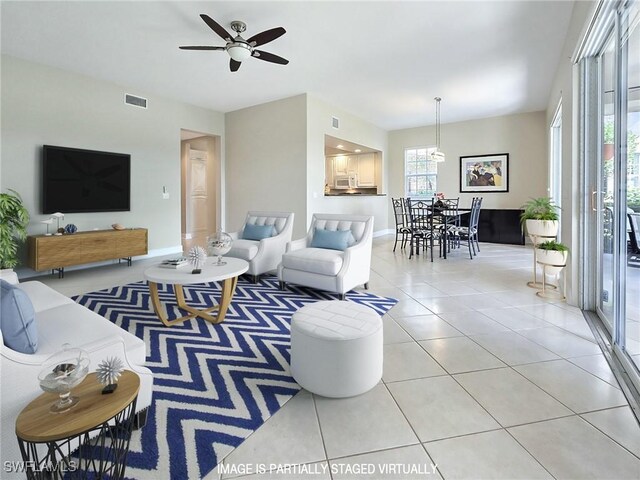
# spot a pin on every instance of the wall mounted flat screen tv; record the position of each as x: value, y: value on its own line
x: 76, y: 180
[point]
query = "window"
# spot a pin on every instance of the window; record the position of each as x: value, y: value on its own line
x: 420, y: 172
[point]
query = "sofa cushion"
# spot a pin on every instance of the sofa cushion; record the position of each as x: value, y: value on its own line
x: 314, y: 260
x: 17, y: 319
x: 79, y: 326
x: 244, y: 249
x: 257, y: 232
x: 43, y: 297
x: 331, y: 239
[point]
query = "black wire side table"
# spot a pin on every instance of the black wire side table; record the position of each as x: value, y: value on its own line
x: 90, y: 440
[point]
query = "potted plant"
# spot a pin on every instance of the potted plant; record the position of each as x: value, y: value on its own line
x: 554, y: 254
x: 14, y: 219
x: 540, y: 217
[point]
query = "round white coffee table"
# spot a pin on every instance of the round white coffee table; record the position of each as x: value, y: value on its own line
x: 178, y: 277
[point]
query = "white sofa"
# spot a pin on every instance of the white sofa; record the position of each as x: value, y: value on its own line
x: 325, y: 269
x: 263, y: 255
x: 60, y: 320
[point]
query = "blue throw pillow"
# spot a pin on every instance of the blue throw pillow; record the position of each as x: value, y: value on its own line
x: 17, y: 319
x: 332, y: 239
x: 257, y: 232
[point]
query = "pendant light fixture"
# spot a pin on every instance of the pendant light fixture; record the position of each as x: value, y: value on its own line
x: 437, y: 155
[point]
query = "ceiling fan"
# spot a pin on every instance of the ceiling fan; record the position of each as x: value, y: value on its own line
x: 240, y: 49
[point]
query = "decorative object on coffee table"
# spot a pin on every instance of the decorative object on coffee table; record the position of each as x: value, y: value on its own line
x: 63, y: 371
x: 197, y: 257
x: 70, y: 228
x: 219, y: 244
x: 108, y: 372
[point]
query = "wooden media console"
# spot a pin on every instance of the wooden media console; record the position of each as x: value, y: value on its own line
x: 54, y: 252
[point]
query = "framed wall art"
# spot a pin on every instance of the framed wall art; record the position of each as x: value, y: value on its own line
x: 485, y: 173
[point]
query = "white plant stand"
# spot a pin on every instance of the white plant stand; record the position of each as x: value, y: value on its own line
x: 555, y: 292
x: 537, y: 240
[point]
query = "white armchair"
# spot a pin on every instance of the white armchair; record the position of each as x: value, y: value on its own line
x: 263, y: 255
x: 326, y: 269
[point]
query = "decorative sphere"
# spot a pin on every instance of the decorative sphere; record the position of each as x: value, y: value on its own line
x: 219, y: 243
x: 71, y: 228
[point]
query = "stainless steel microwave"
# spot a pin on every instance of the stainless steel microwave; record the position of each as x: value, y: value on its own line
x: 346, y: 181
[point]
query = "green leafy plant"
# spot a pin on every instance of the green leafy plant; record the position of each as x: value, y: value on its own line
x: 14, y: 219
x: 541, y: 208
x: 553, y: 245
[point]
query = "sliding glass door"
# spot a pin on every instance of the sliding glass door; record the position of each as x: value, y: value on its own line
x: 630, y: 49
x: 604, y: 196
x: 616, y: 193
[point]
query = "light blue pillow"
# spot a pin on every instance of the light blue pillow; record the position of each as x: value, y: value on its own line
x: 17, y: 319
x: 257, y: 232
x: 332, y: 239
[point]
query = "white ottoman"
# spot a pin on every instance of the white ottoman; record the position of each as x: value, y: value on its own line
x: 336, y: 348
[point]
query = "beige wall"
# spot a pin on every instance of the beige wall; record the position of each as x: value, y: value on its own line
x: 266, y: 161
x: 522, y: 136
x: 44, y: 105
x: 355, y: 130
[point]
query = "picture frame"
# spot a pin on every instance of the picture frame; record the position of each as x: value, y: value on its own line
x: 484, y: 173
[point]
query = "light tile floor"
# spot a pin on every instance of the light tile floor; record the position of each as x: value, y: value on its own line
x: 482, y: 379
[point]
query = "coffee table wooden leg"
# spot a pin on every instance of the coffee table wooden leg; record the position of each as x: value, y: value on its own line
x: 228, y: 289
x: 160, y: 310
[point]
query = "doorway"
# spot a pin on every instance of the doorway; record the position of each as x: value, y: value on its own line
x: 200, y: 186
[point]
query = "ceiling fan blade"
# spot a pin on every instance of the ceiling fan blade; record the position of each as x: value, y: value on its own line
x: 213, y: 25
x: 233, y: 65
x: 266, y: 36
x: 269, y: 57
x: 199, y: 47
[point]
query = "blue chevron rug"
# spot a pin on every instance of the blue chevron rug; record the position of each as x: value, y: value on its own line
x: 213, y: 384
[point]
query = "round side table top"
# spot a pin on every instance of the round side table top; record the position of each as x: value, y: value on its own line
x: 37, y: 424
x: 209, y: 272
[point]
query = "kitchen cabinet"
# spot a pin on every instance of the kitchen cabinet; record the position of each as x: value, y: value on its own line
x: 366, y: 170
x: 345, y: 164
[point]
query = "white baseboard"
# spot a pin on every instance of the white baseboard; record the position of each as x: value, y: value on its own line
x: 380, y: 233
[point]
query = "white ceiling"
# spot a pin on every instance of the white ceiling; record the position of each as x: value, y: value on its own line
x: 383, y: 61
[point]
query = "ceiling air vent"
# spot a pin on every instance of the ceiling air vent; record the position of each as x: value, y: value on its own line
x: 135, y: 101
x: 335, y: 123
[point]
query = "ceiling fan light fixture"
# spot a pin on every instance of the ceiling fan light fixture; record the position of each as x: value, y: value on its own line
x: 239, y: 51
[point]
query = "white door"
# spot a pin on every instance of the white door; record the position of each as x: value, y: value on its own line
x: 197, y: 194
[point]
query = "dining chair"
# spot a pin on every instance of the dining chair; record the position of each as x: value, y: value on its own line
x: 470, y: 234
x: 450, y: 223
x: 420, y: 214
x: 402, y: 226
